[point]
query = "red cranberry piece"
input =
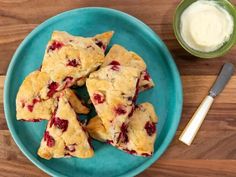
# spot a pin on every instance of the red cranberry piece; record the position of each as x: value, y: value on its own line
x: 114, y: 62
x: 115, y: 67
x: 130, y: 151
x: 146, y: 76
x: 55, y: 45
x: 31, y: 107
x: 98, y: 98
x: 71, y: 147
x: 36, y: 100
x: 123, y: 134
x: 59, y: 123
x: 52, y: 88
x: 120, y: 110
x: 49, y: 139
x: 146, y: 154
x: 72, y: 63
x: 150, y: 128
x: 100, y: 44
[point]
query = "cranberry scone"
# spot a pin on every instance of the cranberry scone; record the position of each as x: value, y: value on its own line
x: 139, y: 133
x: 112, y: 90
x: 118, y: 55
x: 65, y: 135
x: 69, y: 59
x: 35, y: 99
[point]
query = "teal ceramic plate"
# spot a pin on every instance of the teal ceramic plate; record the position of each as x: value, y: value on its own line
x: 166, y: 96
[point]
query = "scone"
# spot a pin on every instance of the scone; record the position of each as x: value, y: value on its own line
x: 69, y: 59
x: 36, y: 96
x: 118, y: 55
x: 64, y: 135
x: 139, y: 133
x: 112, y: 90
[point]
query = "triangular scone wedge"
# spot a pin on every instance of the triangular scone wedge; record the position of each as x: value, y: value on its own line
x: 64, y: 135
x: 69, y: 59
x: 118, y: 55
x: 140, y: 132
x: 36, y: 96
x: 113, y: 90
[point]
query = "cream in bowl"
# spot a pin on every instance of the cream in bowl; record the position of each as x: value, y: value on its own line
x: 205, y: 26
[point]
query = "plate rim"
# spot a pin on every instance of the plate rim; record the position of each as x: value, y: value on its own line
x: 177, y: 82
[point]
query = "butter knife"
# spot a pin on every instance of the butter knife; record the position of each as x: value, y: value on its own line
x: 194, y: 124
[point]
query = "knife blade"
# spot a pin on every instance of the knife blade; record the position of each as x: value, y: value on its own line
x: 223, y: 78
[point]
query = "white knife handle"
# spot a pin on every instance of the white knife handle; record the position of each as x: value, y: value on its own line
x: 194, y: 124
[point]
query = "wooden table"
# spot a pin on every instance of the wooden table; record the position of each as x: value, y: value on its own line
x: 213, y: 153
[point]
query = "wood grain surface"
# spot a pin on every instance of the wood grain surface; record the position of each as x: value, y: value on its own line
x: 212, y: 154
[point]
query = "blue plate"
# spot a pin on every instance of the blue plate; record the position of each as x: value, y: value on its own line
x: 166, y: 96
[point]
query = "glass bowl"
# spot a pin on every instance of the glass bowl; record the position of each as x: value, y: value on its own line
x: 216, y: 53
